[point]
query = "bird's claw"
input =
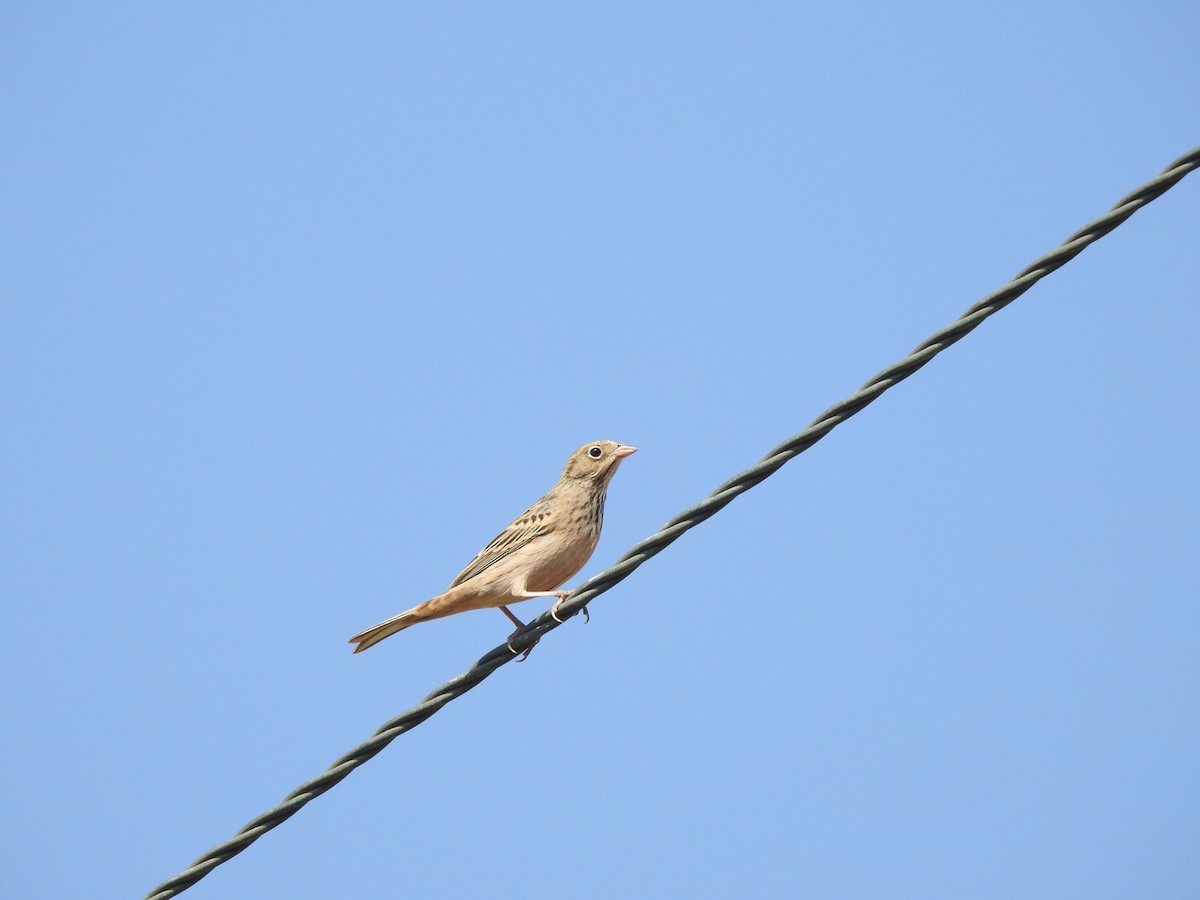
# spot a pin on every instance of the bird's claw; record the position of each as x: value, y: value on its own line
x: 514, y: 651
x: 554, y: 613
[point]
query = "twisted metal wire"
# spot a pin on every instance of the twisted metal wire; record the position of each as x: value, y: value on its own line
x: 686, y: 520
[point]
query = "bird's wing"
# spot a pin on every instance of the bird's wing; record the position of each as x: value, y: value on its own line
x: 536, y: 522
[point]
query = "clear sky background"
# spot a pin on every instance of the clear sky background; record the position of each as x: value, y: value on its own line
x: 302, y: 303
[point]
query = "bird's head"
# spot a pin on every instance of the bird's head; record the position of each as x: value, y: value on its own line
x: 596, y: 461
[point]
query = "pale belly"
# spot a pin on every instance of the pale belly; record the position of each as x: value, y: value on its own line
x: 557, y: 563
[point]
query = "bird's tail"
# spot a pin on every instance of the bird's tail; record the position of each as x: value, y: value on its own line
x: 456, y: 600
x: 377, y: 633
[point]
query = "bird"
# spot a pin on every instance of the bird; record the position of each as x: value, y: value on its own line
x: 533, y: 556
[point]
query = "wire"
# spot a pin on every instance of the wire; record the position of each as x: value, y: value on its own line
x: 683, y: 522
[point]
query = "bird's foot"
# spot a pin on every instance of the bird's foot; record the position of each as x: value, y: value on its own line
x: 561, y: 600
x: 520, y: 627
x: 557, y: 603
x: 514, y: 651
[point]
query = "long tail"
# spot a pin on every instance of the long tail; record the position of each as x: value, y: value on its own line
x: 442, y: 605
x: 377, y: 633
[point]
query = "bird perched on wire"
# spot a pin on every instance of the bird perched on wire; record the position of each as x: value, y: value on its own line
x: 542, y: 548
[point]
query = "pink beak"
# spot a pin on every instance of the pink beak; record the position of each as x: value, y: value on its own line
x: 624, y: 450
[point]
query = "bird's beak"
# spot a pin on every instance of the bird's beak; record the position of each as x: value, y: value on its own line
x: 624, y: 450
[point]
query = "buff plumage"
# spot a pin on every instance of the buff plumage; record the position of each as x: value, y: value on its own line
x: 532, y: 557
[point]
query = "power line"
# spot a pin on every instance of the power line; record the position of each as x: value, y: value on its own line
x: 683, y: 522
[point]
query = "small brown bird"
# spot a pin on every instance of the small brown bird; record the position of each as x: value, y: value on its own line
x: 546, y: 545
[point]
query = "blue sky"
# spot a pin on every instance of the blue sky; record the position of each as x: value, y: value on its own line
x: 302, y: 303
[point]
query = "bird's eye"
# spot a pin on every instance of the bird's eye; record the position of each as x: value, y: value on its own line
x: 595, y: 453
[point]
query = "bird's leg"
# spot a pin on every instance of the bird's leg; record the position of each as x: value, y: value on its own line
x: 520, y: 625
x: 522, y: 594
